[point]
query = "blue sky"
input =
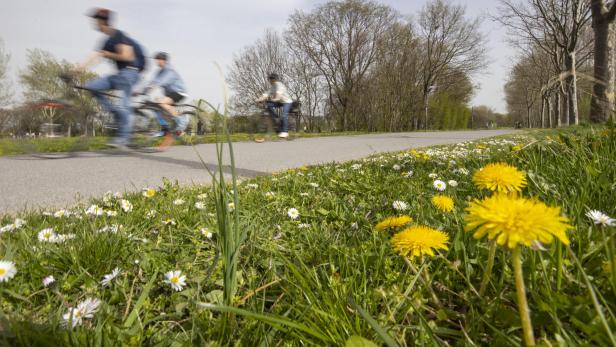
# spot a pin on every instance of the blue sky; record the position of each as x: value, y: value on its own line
x: 199, y: 34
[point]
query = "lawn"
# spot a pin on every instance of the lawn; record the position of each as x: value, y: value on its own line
x: 307, y: 257
x: 73, y: 144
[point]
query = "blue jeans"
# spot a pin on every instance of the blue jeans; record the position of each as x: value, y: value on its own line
x: 284, y: 127
x: 124, y: 81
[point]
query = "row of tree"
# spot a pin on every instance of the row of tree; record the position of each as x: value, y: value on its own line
x: 361, y: 65
x: 563, y: 74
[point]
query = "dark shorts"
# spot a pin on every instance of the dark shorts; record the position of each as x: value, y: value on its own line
x: 175, y: 96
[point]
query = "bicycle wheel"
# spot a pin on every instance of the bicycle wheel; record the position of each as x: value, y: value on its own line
x: 146, y: 129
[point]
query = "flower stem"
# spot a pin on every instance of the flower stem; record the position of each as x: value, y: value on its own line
x: 488, y: 271
x: 529, y: 338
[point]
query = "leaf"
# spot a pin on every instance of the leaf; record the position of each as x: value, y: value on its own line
x: 389, y: 341
x: 323, y: 211
x: 144, y: 295
x: 358, y: 341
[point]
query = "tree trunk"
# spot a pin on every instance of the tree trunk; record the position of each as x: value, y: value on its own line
x: 558, y: 109
x: 572, y: 104
x: 549, y: 106
x: 528, y: 115
x: 601, y: 102
x: 611, y: 67
x: 543, y: 112
x: 565, y: 109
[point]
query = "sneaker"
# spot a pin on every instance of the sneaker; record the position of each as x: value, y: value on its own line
x: 283, y: 135
x: 118, y: 144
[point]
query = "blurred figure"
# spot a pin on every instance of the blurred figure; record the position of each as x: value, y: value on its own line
x: 129, y: 59
x: 278, y: 97
x: 174, y: 91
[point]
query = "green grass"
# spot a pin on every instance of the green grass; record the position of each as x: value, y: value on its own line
x: 74, y: 144
x: 327, y: 277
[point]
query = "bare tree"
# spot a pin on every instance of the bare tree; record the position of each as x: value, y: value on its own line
x: 602, y: 102
x: 556, y: 27
x: 249, y: 70
x: 341, y: 39
x: 452, y: 44
x: 6, y: 93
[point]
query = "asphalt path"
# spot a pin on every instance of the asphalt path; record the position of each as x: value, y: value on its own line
x: 28, y: 183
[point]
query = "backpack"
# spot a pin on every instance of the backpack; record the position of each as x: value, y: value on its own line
x: 140, y: 60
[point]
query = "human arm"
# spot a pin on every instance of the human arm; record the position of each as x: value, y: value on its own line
x: 93, y: 59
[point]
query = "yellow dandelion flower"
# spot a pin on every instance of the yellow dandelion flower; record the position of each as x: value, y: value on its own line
x: 500, y: 177
x: 418, y: 241
x: 512, y: 221
x: 516, y: 148
x: 393, y: 222
x: 443, y: 203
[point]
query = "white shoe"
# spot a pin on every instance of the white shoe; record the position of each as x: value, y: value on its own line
x: 283, y: 135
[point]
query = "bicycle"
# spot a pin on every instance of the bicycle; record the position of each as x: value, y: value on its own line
x: 263, y: 121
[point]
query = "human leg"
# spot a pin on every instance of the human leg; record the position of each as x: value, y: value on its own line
x: 124, y: 82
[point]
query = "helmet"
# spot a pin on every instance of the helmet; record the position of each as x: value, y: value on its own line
x: 273, y: 76
x: 161, y: 56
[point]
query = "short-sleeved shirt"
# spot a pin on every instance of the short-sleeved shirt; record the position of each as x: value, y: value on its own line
x: 110, y: 44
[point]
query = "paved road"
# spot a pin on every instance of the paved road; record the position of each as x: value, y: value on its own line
x: 29, y: 183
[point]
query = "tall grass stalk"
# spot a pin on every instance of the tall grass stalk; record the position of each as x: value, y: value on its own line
x: 488, y: 272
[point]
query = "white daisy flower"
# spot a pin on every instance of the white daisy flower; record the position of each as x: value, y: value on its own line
x: 110, y: 213
x: 252, y: 185
x: 452, y: 162
x: 94, y: 210
x: 463, y: 171
x: 150, y: 214
x: 47, y: 213
x: 84, y: 309
x: 111, y: 229
x: 439, y: 185
x: 49, y: 280
x: 601, y: 218
x: 148, y: 192
x: 178, y: 202
x: 314, y: 185
x: 61, y: 213
x: 107, y: 197
x: 293, y: 213
x: 231, y: 207
x: 200, y: 205
x: 400, y: 205
x: 169, y: 222
x: 176, y: 280
x: 202, y: 196
x: 453, y: 183
x: 408, y: 174
x: 303, y: 226
x: 433, y: 175
x: 61, y: 238
x: 117, y: 195
x: 7, y: 270
x: 304, y: 194
x: 396, y: 167
x: 206, y: 232
x: 126, y: 205
x: 47, y: 235
x: 110, y: 277
x: 356, y: 166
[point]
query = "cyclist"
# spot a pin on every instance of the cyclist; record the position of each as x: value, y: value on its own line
x: 173, y: 86
x: 278, y: 97
x: 128, y: 57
